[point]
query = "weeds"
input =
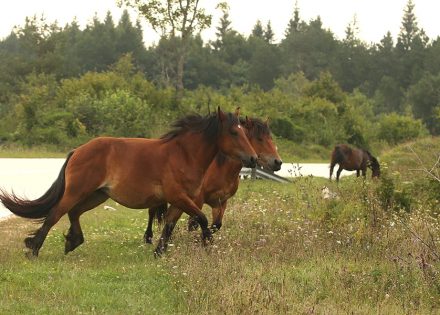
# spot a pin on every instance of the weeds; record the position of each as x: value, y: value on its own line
x: 283, y: 249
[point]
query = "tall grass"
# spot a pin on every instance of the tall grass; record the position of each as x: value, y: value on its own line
x: 283, y: 249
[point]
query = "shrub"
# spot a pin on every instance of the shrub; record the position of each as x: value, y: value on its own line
x: 396, y: 128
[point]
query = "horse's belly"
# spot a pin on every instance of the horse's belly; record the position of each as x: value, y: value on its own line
x: 137, y: 198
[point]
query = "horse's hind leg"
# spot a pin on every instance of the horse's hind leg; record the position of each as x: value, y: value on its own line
x: 75, y: 236
x: 332, y: 166
x: 35, y: 241
x: 338, y: 173
x: 172, y: 216
x: 159, y: 213
x: 192, y: 224
x: 148, y: 236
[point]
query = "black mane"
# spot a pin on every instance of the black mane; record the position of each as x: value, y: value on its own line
x: 260, y: 128
x: 209, y: 125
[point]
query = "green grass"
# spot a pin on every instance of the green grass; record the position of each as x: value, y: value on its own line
x: 408, y: 157
x: 113, y: 273
x: 283, y: 249
x: 13, y: 151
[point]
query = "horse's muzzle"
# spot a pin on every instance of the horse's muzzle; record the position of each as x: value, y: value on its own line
x: 250, y: 162
x: 276, y: 165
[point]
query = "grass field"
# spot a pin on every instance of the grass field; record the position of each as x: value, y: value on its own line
x: 283, y: 249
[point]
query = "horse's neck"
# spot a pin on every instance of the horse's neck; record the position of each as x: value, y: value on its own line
x: 231, y: 167
x: 197, y: 152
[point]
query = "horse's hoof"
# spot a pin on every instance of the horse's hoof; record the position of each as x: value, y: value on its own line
x: 148, y: 240
x: 158, y: 253
x: 31, y: 254
x: 29, y: 242
x: 215, y: 227
x: 207, y: 237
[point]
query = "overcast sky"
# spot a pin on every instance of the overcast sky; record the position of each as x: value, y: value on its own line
x: 374, y: 17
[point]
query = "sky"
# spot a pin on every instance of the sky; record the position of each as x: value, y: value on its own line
x: 374, y: 17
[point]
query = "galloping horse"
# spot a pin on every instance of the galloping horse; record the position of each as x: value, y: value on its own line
x: 353, y: 160
x: 221, y: 181
x: 137, y: 173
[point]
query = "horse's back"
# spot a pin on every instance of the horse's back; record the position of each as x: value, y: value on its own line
x: 347, y: 157
x: 128, y: 169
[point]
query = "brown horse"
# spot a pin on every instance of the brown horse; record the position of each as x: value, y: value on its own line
x: 353, y: 160
x: 221, y: 182
x: 137, y: 173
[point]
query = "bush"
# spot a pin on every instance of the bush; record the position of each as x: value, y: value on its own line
x: 396, y: 128
x: 284, y: 128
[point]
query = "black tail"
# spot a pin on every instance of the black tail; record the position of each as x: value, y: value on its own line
x: 38, y: 208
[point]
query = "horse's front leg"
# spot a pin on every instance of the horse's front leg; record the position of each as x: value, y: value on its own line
x: 357, y: 173
x: 183, y: 204
x: 217, y: 216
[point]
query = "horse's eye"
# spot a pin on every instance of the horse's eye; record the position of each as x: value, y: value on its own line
x: 260, y: 139
x: 234, y: 132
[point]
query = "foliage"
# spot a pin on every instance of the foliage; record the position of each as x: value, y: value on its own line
x: 396, y: 128
x: 60, y: 85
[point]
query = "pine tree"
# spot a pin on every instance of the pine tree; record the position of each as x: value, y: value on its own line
x: 258, y: 31
x: 409, y: 29
x: 222, y: 29
x: 294, y: 24
x: 269, y: 35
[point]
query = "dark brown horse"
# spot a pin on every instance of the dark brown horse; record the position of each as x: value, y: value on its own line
x: 221, y: 181
x: 137, y: 173
x: 351, y: 159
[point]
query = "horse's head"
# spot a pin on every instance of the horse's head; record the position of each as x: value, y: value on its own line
x: 233, y: 141
x: 261, y: 140
x: 375, y: 167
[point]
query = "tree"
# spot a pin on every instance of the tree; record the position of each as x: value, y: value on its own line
x: 411, y: 46
x: 258, y: 31
x: 311, y: 50
x: 409, y: 29
x: 424, y: 96
x: 269, y: 35
x: 294, y: 24
x: 264, y: 64
x: 177, y: 20
x: 223, y: 29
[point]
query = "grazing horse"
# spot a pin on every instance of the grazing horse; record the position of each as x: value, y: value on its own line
x: 137, y: 173
x: 221, y: 182
x: 353, y: 160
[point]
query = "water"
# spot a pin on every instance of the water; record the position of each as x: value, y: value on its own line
x: 31, y: 178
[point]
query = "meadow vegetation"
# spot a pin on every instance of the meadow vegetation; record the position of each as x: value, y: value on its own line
x: 283, y: 249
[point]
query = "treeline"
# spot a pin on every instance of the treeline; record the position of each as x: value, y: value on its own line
x: 62, y: 85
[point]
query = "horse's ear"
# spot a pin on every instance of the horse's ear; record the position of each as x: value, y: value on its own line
x: 221, y: 114
x: 237, y: 111
x: 266, y: 122
x: 248, y: 123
